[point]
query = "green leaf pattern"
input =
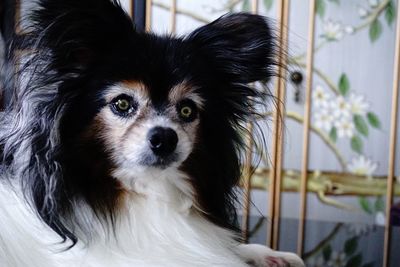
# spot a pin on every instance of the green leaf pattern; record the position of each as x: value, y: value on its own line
x: 373, y: 120
x: 356, y: 144
x: 320, y: 8
x: 344, y: 84
x: 333, y: 134
x: 365, y: 205
x: 350, y: 246
x: 375, y: 30
x: 390, y: 13
x: 361, y: 125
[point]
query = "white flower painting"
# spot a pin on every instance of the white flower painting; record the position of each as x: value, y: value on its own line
x: 320, y: 97
x: 333, y: 30
x: 358, y: 104
x: 324, y: 119
x: 361, y: 165
x: 345, y: 127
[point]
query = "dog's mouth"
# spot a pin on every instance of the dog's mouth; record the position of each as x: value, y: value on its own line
x: 161, y: 162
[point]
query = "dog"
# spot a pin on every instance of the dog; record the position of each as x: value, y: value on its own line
x: 123, y: 148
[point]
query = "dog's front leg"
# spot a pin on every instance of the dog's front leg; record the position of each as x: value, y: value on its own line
x: 262, y: 256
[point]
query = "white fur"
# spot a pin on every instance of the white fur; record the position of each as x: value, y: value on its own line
x: 159, y: 228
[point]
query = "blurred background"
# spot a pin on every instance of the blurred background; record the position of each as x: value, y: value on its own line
x: 328, y: 185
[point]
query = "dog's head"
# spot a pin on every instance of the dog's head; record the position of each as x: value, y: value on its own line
x: 102, y: 105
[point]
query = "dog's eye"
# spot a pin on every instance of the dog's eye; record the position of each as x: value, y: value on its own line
x: 187, y: 110
x: 123, y: 105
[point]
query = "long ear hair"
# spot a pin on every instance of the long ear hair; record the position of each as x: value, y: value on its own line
x: 228, y: 54
x: 64, y: 44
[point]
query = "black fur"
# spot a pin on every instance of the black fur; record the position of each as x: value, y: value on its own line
x: 78, y: 47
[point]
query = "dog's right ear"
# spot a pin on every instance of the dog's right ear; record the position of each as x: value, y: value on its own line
x: 240, y: 47
x: 77, y: 34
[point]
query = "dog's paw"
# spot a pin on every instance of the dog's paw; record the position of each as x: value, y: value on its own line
x: 262, y: 256
x: 272, y: 261
x: 283, y: 260
x: 278, y: 261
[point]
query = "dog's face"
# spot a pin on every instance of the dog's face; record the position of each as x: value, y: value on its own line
x: 142, y: 116
x: 117, y: 104
x: 143, y: 136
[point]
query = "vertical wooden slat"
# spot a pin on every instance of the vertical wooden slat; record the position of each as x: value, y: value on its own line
x: 306, y: 128
x: 254, y: 6
x: 247, y: 167
x: 392, y: 145
x: 272, y: 179
x: 132, y: 8
x: 274, y: 187
x: 17, y: 16
x: 274, y: 200
x: 148, y: 15
x: 283, y: 18
x: 247, y: 184
x: 172, y: 18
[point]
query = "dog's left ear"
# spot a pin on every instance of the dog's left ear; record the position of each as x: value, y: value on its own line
x: 239, y: 46
x: 78, y: 34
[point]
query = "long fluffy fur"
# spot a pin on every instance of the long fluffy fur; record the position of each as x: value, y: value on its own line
x: 54, y: 161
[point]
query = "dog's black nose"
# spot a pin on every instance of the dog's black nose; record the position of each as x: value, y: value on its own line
x: 162, y: 141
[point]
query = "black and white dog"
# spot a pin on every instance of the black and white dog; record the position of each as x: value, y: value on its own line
x: 122, y: 148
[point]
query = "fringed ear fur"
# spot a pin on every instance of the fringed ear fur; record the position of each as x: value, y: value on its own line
x: 237, y: 49
x: 80, y: 33
x: 229, y: 54
x: 240, y: 46
x: 66, y: 41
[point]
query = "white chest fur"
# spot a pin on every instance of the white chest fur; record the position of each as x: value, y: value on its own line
x: 159, y: 228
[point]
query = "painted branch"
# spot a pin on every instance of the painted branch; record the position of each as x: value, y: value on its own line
x: 331, y: 183
x: 323, y: 242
